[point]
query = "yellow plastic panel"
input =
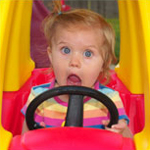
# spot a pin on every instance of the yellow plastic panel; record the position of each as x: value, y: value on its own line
x: 16, y: 43
x: 15, y: 62
x: 4, y: 36
x: 5, y: 139
x: 134, y: 64
x: 5, y: 136
x: 131, y: 29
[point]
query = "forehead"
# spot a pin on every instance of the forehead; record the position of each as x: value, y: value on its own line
x: 78, y: 27
x: 78, y: 32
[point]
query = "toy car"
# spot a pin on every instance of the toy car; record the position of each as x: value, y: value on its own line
x: 17, y: 74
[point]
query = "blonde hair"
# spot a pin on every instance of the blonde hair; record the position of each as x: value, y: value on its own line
x: 83, y: 17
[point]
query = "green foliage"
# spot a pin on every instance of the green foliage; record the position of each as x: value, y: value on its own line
x: 115, y: 24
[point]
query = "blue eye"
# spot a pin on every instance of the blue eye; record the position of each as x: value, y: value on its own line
x: 87, y: 53
x: 66, y: 50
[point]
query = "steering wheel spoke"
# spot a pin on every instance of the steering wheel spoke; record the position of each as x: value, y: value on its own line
x: 75, y: 111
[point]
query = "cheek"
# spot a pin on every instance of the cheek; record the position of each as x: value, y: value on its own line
x: 94, y: 74
x: 96, y: 69
x: 54, y: 59
x: 59, y: 67
x: 96, y: 66
x: 90, y: 80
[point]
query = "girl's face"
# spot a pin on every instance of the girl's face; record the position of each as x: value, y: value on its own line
x: 75, y: 56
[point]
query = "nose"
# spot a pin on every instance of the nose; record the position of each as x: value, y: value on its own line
x: 75, y: 61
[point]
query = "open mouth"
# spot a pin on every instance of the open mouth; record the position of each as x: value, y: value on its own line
x: 73, y: 80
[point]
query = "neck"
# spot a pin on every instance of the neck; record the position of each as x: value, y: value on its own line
x: 64, y: 98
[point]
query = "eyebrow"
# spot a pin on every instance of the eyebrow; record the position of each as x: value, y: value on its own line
x: 87, y: 46
x: 61, y: 42
x: 93, y: 46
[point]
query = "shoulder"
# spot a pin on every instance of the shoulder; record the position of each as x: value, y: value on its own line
x: 112, y: 94
x: 105, y: 89
x: 36, y: 90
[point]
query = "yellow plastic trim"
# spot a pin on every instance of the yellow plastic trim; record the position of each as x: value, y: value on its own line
x: 134, y: 64
x: 5, y: 139
x: 131, y: 29
x: 15, y: 38
x: 15, y: 62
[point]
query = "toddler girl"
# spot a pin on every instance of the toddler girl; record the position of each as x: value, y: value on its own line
x: 81, y: 49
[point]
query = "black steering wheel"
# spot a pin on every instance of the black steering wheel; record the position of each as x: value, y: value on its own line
x: 75, y: 106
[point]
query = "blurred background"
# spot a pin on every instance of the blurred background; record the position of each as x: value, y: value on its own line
x: 107, y: 8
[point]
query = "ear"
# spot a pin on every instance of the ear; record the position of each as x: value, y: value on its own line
x: 49, y: 51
